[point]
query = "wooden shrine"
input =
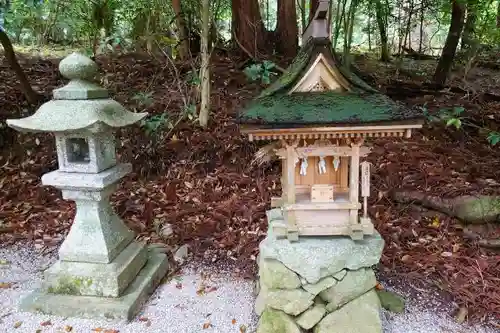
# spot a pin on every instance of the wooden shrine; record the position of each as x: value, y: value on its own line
x: 321, y: 114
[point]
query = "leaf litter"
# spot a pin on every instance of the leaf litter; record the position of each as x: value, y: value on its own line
x: 202, y: 184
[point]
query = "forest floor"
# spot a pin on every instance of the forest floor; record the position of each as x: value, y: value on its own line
x: 202, y: 183
x: 198, y: 298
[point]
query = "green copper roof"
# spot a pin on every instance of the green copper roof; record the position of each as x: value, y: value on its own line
x: 330, y: 107
x: 363, y: 104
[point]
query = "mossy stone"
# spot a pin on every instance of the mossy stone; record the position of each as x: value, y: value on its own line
x: 354, y: 284
x: 291, y: 301
x: 311, y: 316
x: 391, y: 301
x: 275, y: 321
x: 361, y: 315
x: 275, y: 275
x: 70, y: 285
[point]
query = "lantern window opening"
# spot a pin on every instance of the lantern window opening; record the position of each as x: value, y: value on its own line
x: 78, y: 150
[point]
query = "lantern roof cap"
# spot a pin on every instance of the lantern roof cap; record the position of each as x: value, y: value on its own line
x: 79, y: 105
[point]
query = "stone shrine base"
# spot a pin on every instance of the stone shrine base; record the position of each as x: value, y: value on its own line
x: 124, y: 307
x: 318, y: 284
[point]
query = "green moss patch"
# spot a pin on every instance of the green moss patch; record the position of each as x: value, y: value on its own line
x: 70, y: 286
x: 329, y: 107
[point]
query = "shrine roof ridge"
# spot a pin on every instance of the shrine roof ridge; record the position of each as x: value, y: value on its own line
x: 280, y: 106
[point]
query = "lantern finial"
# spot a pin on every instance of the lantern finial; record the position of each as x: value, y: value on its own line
x: 81, y: 70
x: 76, y: 66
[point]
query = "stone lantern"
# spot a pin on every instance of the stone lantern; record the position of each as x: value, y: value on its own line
x: 101, y: 270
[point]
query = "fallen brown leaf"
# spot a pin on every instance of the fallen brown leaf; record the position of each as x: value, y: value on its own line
x: 105, y: 330
x: 68, y: 328
x: 461, y: 315
x: 18, y: 324
x: 46, y: 323
x: 5, y: 285
x: 207, y: 325
x: 233, y: 321
x: 243, y: 328
x: 211, y: 289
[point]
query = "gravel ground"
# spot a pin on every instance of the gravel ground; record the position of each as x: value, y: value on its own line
x: 197, y: 300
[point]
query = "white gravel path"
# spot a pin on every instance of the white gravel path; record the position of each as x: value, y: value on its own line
x: 177, y: 306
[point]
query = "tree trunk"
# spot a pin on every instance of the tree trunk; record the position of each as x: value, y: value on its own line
x: 31, y: 96
x: 421, y: 38
x: 339, y: 20
x: 248, y: 28
x: 287, y: 31
x: 348, y: 30
x: 303, y: 21
x: 407, y: 29
x: 450, y: 47
x: 181, y: 27
x: 369, y: 35
x: 498, y: 14
x: 470, y: 23
x: 205, y: 62
x: 381, y: 15
x: 369, y: 27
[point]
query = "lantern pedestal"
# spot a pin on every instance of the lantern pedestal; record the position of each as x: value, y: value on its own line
x: 101, y: 271
x: 97, y: 234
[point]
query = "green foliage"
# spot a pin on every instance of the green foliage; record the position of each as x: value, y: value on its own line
x: 493, y: 138
x: 153, y: 123
x: 453, y: 117
x: 103, y: 25
x: 192, y: 78
x: 449, y: 117
x: 261, y: 71
x: 144, y: 99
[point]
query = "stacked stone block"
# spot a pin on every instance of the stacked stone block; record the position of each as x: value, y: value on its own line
x: 318, y: 284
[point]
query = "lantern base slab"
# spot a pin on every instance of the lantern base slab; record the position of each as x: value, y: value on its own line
x: 124, y: 307
x: 91, y: 279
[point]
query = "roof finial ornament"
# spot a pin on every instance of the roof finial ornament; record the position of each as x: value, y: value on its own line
x: 76, y: 66
x: 81, y: 71
x: 318, y: 25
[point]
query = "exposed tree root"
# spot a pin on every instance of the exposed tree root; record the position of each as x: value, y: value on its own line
x: 490, y: 243
x: 469, y: 209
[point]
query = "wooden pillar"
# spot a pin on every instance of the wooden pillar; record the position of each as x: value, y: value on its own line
x: 289, y: 175
x: 354, y: 192
x: 291, y: 155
